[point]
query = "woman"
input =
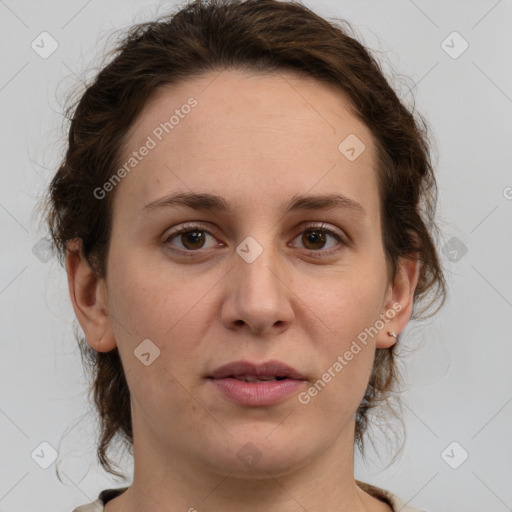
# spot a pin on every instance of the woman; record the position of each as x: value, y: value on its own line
x: 245, y: 216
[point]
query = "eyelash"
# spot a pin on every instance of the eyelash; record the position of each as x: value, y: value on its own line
x: 311, y: 227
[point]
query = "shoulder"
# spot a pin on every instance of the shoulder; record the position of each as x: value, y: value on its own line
x: 391, y: 499
x: 99, y: 504
x: 396, y: 503
x: 95, y: 506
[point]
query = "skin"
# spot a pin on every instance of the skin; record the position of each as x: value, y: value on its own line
x: 257, y: 140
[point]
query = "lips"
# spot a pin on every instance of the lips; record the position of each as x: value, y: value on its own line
x: 253, y: 372
x: 256, y: 384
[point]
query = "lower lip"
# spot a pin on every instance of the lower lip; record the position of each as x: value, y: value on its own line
x: 257, y: 393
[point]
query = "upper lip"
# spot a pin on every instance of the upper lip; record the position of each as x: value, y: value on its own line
x: 247, y: 368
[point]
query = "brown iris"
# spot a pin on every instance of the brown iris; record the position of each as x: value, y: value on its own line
x: 313, y: 236
x: 193, y: 239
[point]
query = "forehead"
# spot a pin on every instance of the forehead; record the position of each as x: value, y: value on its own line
x: 253, y: 137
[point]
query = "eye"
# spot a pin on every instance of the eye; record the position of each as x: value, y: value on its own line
x: 316, y: 237
x: 192, y: 238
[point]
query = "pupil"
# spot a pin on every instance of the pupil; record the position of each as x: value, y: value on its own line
x: 316, y: 237
x: 193, y: 237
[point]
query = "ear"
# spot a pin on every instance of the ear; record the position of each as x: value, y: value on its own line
x: 399, y: 301
x: 89, y: 298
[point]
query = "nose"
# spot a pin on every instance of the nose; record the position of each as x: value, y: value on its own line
x: 259, y: 297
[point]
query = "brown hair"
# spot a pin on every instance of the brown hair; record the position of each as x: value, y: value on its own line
x: 251, y: 35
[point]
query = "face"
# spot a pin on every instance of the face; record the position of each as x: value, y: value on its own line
x: 268, y: 277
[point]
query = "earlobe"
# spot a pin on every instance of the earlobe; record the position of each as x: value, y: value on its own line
x: 88, y: 296
x: 400, y: 302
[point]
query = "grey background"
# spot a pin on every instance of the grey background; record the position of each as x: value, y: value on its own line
x: 458, y: 386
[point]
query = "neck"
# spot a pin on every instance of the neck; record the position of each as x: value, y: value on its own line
x: 171, y: 481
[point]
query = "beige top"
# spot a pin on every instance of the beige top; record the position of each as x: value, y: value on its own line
x: 394, y: 501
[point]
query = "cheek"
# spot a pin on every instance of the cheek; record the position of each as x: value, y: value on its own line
x: 146, y: 305
x: 149, y: 304
x: 350, y: 303
x: 350, y: 309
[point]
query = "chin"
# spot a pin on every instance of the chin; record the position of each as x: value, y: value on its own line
x: 260, y: 453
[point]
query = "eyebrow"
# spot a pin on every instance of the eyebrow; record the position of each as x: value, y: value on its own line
x: 211, y: 202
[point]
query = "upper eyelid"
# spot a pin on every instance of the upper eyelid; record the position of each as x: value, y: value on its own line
x: 189, y: 226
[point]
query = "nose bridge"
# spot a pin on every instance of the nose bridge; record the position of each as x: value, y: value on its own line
x: 259, y: 296
x: 258, y: 264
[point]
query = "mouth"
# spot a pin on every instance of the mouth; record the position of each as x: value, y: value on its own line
x: 252, y: 384
x: 254, y: 378
x: 253, y: 372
